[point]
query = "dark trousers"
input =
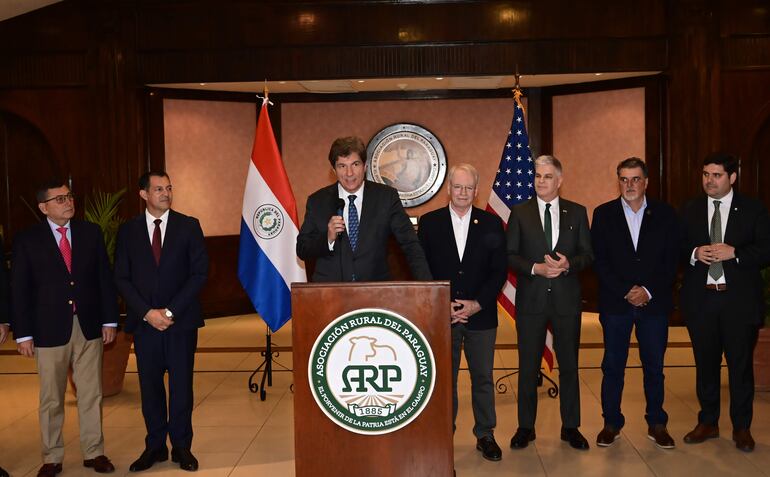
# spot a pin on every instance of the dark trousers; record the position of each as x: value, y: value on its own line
x: 652, y: 335
x: 156, y: 353
x: 715, y: 331
x: 531, y: 339
x: 479, y: 346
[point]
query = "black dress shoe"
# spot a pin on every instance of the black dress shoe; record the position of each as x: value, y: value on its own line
x: 575, y: 438
x: 489, y: 448
x: 148, y: 458
x: 3, y: 473
x: 522, y: 438
x: 743, y: 440
x: 184, y: 458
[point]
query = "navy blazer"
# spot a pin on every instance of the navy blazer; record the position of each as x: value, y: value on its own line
x: 174, y: 283
x: 382, y: 216
x: 652, y: 264
x: 527, y: 246
x: 43, y: 289
x: 748, y: 230
x: 481, y: 273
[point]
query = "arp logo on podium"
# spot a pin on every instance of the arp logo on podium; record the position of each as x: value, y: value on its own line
x: 371, y: 371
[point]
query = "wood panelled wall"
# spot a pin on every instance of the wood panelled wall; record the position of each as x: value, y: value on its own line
x: 76, y: 72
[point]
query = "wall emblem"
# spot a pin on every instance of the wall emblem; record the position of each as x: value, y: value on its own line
x: 408, y: 158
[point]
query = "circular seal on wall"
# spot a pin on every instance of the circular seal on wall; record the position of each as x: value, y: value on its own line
x: 371, y: 371
x: 408, y: 158
x: 268, y: 221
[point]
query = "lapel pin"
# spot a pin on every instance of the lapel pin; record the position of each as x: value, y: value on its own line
x: 475, y: 221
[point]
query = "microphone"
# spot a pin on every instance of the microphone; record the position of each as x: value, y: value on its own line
x: 340, y: 211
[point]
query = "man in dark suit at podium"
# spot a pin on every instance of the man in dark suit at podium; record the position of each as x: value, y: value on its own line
x: 161, y: 265
x: 548, y: 245
x: 726, y: 244
x: 636, y: 246
x: 347, y: 224
x: 466, y: 245
x: 65, y: 309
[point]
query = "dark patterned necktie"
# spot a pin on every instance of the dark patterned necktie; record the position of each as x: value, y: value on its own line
x: 547, y: 227
x: 352, y: 222
x: 156, y: 241
x: 715, y: 269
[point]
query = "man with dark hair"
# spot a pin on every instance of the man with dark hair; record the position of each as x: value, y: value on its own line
x: 466, y: 245
x: 635, y: 257
x: 160, y: 267
x: 548, y: 245
x: 64, y: 310
x: 726, y: 244
x: 330, y: 233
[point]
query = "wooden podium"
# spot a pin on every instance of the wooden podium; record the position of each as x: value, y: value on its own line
x: 424, y: 446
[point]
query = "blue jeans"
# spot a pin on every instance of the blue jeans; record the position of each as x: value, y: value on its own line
x: 652, y: 335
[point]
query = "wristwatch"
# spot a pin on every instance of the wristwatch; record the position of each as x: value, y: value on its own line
x: 169, y: 314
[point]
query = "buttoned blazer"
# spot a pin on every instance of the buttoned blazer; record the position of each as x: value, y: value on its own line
x: 619, y: 266
x: 527, y: 246
x: 382, y: 216
x: 43, y: 290
x: 481, y: 272
x: 174, y: 283
x: 748, y: 230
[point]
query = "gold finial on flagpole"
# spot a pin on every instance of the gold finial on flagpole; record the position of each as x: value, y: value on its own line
x: 517, y: 87
x: 266, y: 90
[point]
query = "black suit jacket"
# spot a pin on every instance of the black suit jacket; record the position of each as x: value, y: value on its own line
x: 481, y: 273
x: 527, y: 246
x: 748, y: 230
x: 652, y: 264
x: 5, y: 299
x: 174, y: 283
x: 43, y: 289
x: 382, y: 216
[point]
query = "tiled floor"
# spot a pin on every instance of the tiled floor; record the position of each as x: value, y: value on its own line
x: 238, y: 435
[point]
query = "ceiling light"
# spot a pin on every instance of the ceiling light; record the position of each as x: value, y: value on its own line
x: 361, y: 81
x: 439, y: 78
x: 202, y: 84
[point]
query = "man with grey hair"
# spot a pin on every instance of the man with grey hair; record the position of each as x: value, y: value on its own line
x: 548, y: 245
x: 466, y: 245
x: 636, y: 246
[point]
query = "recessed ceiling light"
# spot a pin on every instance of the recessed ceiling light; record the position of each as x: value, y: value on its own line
x: 202, y: 84
x: 439, y: 78
x: 598, y: 74
x: 282, y: 82
x: 361, y: 81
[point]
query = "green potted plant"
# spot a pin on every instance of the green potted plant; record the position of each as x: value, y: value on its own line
x: 762, y: 349
x: 102, y: 209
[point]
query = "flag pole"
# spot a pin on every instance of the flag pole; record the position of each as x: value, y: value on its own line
x: 268, y: 355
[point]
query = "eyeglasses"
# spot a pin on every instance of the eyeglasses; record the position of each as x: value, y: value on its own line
x: 630, y: 180
x: 458, y: 188
x: 60, y: 199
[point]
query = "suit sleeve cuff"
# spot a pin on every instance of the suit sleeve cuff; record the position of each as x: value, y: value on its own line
x: 649, y: 295
x: 692, y: 256
x: 23, y: 339
x: 110, y: 325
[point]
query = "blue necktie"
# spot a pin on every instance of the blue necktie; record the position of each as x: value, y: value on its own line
x: 352, y: 222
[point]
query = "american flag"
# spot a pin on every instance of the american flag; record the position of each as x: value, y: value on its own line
x: 514, y: 184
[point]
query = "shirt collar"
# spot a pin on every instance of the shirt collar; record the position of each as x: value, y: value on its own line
x: 628, y: 208
x: 454, y: 214
x: 554, y: 203
x: 726, y: 200
x: 55, y: 227
x: 151, y: 219
x: 341, y: 192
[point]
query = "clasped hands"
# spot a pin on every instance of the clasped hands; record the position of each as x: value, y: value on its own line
x: 715, y: 252
x: 637, y: 296
x: 157, y: 318
x: 552, y: 268
x: 462, y: 310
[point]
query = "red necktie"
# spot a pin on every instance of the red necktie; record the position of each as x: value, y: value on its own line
x: 65, y: 248
x: 156, y: 241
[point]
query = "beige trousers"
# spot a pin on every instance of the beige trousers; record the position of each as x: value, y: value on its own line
x: 85, y: 357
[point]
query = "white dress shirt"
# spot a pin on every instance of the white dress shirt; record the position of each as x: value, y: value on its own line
x: 725, y: 204
x: 460, y: 227
x: 151, y: 225
x: 359, y: 201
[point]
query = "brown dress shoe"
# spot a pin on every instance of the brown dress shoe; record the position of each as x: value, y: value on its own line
x: 100, y: 464
x: 49, y: 470
x: 607, y: 437
x: 701, y: 433
x: 743, y: 440
x: 660, y: 435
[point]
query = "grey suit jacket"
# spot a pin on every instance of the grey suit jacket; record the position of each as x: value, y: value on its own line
x: 382, y: 215
x: 527, y: 246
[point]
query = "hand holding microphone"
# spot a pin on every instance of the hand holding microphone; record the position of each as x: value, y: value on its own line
x: 336, y: 224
